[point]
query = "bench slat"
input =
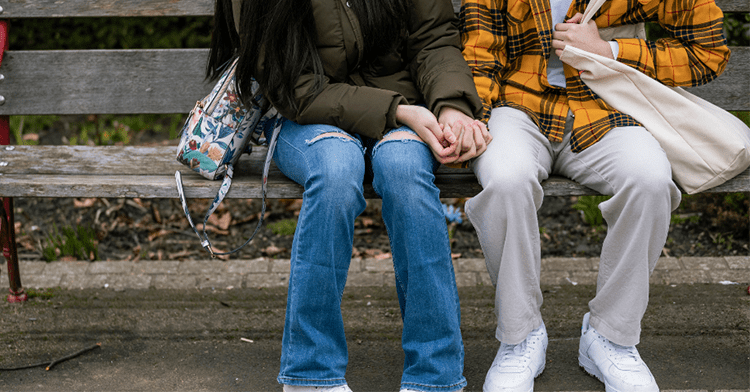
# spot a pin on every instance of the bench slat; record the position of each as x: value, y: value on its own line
x: 171, y: 80
x: 148, y: 172
x: 105, y: 8
x: 103, y: 81
x: 127, y: 8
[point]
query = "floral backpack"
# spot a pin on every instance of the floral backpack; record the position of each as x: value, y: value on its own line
x: 216, y: 133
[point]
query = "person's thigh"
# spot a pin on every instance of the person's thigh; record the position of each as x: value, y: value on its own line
x: 624, y: 156
x: 304, y: 151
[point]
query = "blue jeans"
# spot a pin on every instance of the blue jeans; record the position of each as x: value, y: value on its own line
x: 332, y: 169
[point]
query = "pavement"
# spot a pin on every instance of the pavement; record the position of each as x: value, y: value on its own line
x: 216, y: 325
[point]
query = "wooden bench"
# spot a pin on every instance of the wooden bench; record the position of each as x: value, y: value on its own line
x: 73, y: 82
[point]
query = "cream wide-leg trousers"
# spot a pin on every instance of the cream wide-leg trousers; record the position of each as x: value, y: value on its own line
x: 627, y: 163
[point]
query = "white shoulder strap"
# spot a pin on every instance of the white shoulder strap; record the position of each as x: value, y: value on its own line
x: 591, y: 9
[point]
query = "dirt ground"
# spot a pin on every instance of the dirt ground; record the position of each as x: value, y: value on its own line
x: 695, y: 338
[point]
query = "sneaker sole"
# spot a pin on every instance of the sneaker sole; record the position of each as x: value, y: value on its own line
x: 590, y: 367
x: 538, y: 373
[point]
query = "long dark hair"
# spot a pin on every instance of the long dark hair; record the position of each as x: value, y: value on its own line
x: 288, y: 28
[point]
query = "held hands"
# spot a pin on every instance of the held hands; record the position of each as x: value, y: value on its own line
x: 441, y: 136
x: 582, y: 36
x: 472, y: 135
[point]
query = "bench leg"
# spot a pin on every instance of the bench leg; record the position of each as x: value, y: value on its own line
x: 8, y: 241
x: 8, y: 230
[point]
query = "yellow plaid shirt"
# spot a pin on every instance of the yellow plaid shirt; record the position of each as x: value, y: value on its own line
x: 507, y: 43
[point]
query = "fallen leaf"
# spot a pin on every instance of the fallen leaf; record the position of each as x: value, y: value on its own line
x: 455, y: 255
x: 223, y: 222
x: 160, y: 233
x: 84, y: 203
x: 383, y: 256
x: 273, y: 250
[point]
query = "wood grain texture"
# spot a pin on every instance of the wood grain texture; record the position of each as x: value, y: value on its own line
x: 103, y: 81
x: 148, y: 172
x: 172, y: 80
x: 127, y: 8
x: 104, y: 8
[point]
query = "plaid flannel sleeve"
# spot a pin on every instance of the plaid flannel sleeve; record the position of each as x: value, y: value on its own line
x: 484, y: 48
x: 696, y: 51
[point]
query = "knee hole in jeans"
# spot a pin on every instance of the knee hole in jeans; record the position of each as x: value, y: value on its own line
x: 400, y: 135
x: 330, y: 135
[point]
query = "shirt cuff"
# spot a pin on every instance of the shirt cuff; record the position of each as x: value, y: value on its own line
x: 615, y: 48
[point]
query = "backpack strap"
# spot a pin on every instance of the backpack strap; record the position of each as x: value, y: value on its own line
x: 224, y: 189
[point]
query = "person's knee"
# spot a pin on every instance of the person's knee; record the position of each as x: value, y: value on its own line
x: 341, y: 164
x: 400, y: 157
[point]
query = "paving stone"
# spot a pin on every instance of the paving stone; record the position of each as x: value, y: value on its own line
x: 557, y: 278
x: 29, y: 268
x: 110, y: 267
x: 737, y: 276
x: 267, y: 280
x: 220, y: 281
x: 466, y: 279
x: 738, y: 262
x: 281, y: 266
x: 244, y: 267
x: 583, y: 277
x: 686, y: 276
x: 365, y: 279
x: 704, y: 263
x: 157, y: 267
x: 356, y: 265
x: 470, y: 265
x: 668, y: 263
x: 174, y: 281
x: 484, y: 279
x: 40, y: 281
x: 83, y: 281
x: 121, y: 282
x: 376, y: 265
x: 570, y: 264
x: 66, y: 267
x: 202, y: 267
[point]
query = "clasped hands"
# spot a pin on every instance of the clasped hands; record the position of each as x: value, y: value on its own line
x: 453, y: 136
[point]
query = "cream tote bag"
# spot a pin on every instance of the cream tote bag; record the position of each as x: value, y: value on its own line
x: 705, y: 144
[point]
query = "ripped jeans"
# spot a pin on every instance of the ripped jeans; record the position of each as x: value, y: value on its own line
x: 331, y: 165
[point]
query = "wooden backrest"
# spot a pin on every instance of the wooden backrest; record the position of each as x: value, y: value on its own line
x: 171, y: 80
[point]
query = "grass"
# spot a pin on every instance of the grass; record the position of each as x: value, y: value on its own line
x: 95, y: 129
x: 79, y: 242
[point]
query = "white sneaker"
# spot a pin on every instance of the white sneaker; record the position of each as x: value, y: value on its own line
x: 517, y: 365
x: 620, y: 368
x: 299, y: 388
x: 414, y: 390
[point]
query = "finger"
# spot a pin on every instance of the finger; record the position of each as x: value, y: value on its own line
x: 471, y: 153
x: 479, y: 140
x: 461, y: 142
x: 576, y: 18
x: 485, y: 133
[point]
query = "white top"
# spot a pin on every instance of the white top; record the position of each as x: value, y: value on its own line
x: 555, y: 73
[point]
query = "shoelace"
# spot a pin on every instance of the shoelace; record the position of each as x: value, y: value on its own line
x: 520, y: 354
x: 624, y: 355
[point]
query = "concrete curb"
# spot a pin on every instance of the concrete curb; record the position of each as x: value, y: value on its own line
x: 266, y: 272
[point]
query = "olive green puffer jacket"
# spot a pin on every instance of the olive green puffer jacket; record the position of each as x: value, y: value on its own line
x: 362, y: 98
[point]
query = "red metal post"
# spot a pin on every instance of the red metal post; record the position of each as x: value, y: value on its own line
x: 7, y: 221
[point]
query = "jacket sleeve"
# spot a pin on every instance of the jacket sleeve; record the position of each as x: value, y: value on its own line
x: 695, y: 52
x: 484, y: 48
x: 365, y: 110
x: 435, y: 61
